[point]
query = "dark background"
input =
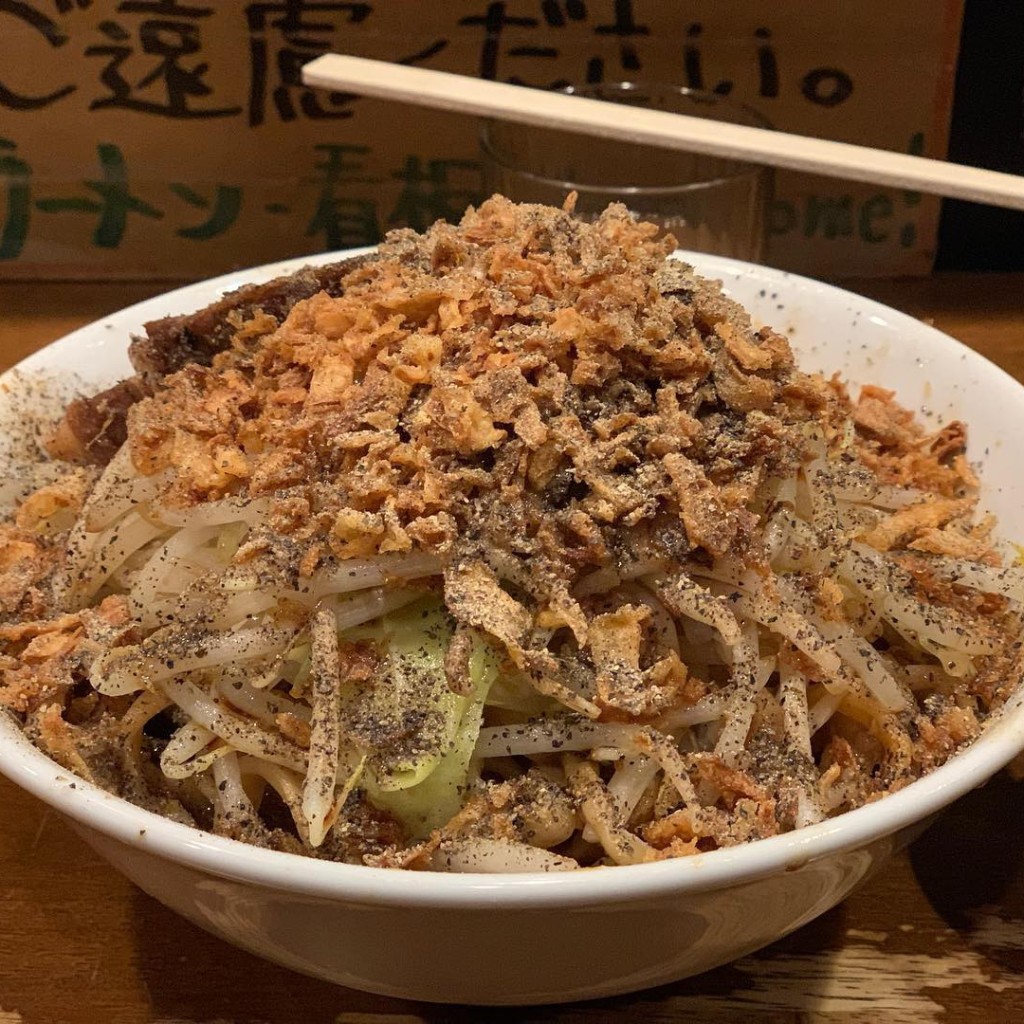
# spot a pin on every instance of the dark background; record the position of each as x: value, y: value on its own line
x: 987, y: 130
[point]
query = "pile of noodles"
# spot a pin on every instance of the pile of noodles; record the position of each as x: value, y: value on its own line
x: 265, y: 653
x: 345, y: 707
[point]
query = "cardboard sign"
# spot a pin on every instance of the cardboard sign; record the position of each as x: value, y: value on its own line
x: 173, y: 138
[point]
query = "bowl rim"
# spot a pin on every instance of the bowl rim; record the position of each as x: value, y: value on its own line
x: 147, y: 832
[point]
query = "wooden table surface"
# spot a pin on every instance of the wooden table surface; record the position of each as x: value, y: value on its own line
x: 938, y: 936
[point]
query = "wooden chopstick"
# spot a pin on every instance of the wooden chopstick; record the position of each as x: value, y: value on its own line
x: 464, y: 95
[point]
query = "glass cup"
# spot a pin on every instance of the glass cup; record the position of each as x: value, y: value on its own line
x: 710, y: 204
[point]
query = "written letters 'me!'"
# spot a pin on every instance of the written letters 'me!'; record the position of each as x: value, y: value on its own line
x: 174, y: 139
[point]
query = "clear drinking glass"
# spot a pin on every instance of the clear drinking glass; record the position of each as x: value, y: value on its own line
x: 710, y: 204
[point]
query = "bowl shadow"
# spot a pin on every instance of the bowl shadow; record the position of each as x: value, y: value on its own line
x: 970, y: 867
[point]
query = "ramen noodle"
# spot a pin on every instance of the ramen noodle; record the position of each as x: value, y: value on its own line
x: 514, y: 545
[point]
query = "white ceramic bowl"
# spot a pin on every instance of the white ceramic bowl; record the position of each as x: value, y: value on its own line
x: 551, y: 938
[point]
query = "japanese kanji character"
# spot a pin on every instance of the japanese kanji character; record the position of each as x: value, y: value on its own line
x: 494, y: 21
x: 425, y: 54
x: 114, y: 204
x: 343, y: 220
x: 625, y: 27
x: 767, y: 63
x: 224, y: 210
x: 427, y: 194
x: 15, y: 174
x: 305, y: 31
x: 167, y: 37
x: 52, y: 33
x: 828, y: 87
x: 693, y: 63
x: 575, y: 10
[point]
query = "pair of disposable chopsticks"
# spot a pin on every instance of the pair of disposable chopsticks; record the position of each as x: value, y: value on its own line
x: 460, y: 94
